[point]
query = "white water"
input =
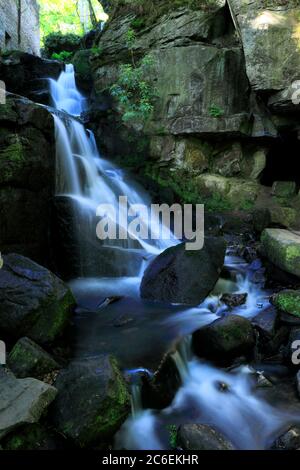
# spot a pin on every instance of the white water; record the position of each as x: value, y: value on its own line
x: 90, y: 180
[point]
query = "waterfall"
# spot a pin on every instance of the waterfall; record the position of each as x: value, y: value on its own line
x: 87, y: 180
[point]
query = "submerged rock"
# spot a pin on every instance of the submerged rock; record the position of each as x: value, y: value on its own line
x: 287, y: 301
x: 282, y: 247
x: 182, y: 276
x: 27, y: 359
x: 234, y: 300
x: 93, y: 400
x: 22, y: 401
x: 201, y: 437
x: 225, y: 339
x: 33, y: 301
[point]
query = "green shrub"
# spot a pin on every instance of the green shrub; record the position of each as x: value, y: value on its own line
x: 63, y: 56
x: 58, y: 42
x: 133, y: 90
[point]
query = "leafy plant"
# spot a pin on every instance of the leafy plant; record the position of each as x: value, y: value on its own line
x: 215, y: 111
x: 63, y: 56
x: 172, y: 429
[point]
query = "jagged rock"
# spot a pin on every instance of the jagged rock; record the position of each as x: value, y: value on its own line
x: 92, y: 402
x: 201, y: 437
x: 33, y: 301
x: 22, y: 401
x: 225, y: 339
x: 234, y: 300
x: 27, y: 359
x: 266, y: 322
x: 282, y: 247
x: 287, y: 301
x: 290, y: 440
x: 166, y: 277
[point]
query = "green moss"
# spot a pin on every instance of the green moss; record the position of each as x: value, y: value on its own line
x: 11, y: 160
x: 288, y: 301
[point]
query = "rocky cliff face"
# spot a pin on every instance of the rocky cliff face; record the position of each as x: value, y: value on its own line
x: 27, y: 177
x: 223, y: 73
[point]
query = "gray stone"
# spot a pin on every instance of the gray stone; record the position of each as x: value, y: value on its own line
x: 165, y: 279
x: 33, y: 301
x: 268, y: 35
x: 202, y: 437
x: 23, y: 401
x: 290, y: 440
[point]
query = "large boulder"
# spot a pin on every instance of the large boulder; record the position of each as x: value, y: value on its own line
x: 268, y: 34
x: 33, y: 301
x: 23, y: 401
x: 225, y: 339
x: 201, y: 437
x: 182, y: 276
x: 93, y: 400
x: 28, y: 359
x: 282, y: 248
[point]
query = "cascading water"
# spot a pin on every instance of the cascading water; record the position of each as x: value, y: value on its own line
x: 89, y: 180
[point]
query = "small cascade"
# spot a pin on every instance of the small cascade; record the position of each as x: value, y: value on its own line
x: 87, y: 180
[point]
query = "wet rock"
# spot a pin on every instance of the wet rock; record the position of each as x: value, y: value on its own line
x: 166, y: 277
x: 22, y: 401
x: 282, y: 248
x: 27, y: 359
x: 266, y: 322
x: 261, y: 219
x: 92, y: 402
x: 234, y: 300
x: 33, y: 301
x: 159, y: 391
x: 25, y: 74
x: 290, y: 440
x: 287, y: 301
x: 225, y: 339
x: 202, y: 437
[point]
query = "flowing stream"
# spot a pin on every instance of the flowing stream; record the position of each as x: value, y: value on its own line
x: 88, y: 180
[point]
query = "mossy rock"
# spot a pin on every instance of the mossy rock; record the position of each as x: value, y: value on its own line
x: 39, y: 304
x: 27, y: 359
x: 93, y: 401
x: 287, y: 301
x: 282, y: 248
x: 32, y: 437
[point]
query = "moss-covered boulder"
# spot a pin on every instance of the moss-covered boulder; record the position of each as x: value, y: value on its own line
x: 93, y: 401
x: 225, y: 339
x: 27, y: 359
x: 282, y: 248
x: 33, y: 301
x: 287, y: 301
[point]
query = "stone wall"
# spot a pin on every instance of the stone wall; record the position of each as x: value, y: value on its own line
x: 28, y: 40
